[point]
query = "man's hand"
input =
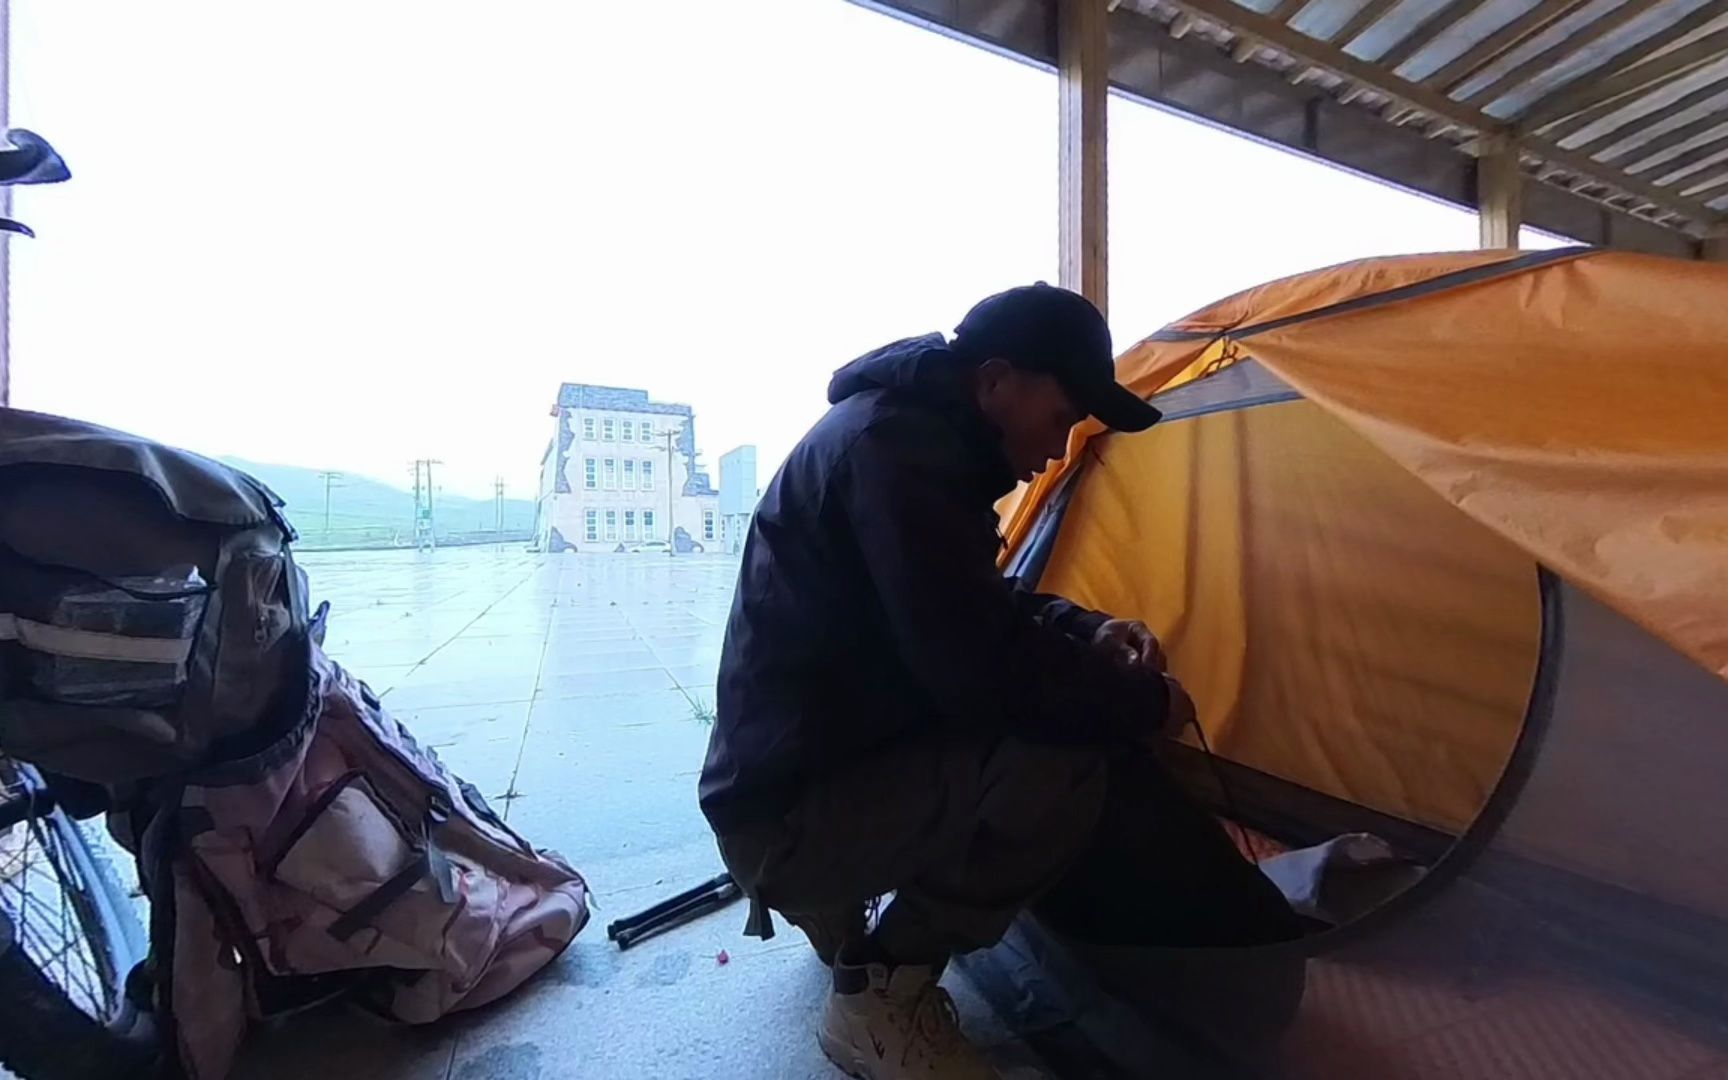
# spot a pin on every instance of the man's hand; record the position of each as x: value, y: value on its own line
x: 1130, y: 643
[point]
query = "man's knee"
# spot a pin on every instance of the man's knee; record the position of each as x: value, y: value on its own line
x: 1053, y: 794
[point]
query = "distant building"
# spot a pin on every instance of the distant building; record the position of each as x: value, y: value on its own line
x: 621, y: 470
x: 738, y: 495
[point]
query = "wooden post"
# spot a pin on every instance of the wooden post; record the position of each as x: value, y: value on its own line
x: 1499, y: 192
x: 1083, y: 79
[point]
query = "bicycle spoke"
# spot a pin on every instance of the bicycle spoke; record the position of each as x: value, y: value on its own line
x: 40, y: 889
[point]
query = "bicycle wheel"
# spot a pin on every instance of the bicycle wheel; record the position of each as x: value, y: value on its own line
x: 67, y: 941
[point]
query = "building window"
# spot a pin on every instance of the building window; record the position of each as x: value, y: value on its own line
x: 647, y: 524
x: 610, y: 427
x: 591, y: 526
x: 647, y: 431
x: 629, y: 474
x: 611, y: 524
x: 629, y: 431
x: 590, y: 473
x: 647, y: 476
x: 588, y: 428
x: 611, y: 473
x: 630, y: 525
x: 707, y: 524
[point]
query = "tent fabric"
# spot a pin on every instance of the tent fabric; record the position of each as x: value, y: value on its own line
x: 1338, y: 624
x: 1443, y: 542
x: 1589, y: 938
x: 1574, y: 404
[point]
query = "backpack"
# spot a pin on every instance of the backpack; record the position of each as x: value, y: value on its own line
x: 149, y: 605
x: 346, y: 859
x: 295, y: 842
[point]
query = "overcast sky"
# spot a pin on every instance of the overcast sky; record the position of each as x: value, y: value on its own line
x: 350, y: 233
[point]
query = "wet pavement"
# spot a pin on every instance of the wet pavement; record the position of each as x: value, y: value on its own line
x: 576, y: 691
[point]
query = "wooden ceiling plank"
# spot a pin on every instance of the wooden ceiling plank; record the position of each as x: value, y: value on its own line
x: 1628, y: 106
x: 1371, y: 12
x: 1697, y: 184
x: 1563, y: 51
x: 1429, y: 29
x: 1310, y: 50
x: 1502, y: 41
x: 1618, y: 132
x: 1305, y: 49
x: 1634, y: 158
x: 1632, y: 70
x: 1691, y: 157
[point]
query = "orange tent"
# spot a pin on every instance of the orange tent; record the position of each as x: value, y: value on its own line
x: 1440, y: 545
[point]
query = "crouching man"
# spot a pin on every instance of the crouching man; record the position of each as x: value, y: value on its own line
x: 895, y: 716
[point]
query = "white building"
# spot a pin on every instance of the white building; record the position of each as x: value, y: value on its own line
x: 621, y: 470
x: 738, y: 496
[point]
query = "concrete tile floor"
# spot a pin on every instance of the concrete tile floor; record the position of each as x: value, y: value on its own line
x: 572, y: 690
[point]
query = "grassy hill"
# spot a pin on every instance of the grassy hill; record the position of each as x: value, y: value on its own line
x: 371, y: 513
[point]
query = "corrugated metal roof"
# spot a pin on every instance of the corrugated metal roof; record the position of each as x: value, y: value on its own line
x: 1618, y: 108
x: 1624, y: 102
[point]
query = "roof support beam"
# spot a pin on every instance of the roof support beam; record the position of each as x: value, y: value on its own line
x: 1630, y: 71
x: 1499, y: 193
x: 1612, y: 138
x: 1369, y: 14
x: 1560, y: 53
x: 1521, y: 29
x: 1704, y: 151
x: 1609, y: 107
x: 1240, y: 19
x: 1083, y: 82
x: 1425, y: 32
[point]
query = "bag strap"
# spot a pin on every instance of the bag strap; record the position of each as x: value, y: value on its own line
x: 92, y: 644
x: 361, y: 915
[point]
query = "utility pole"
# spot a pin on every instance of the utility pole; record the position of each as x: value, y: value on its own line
x: 431, y: 516
x: 329, y: 479
x: 498, y: 496
x: 414, y: 524
x: 671, y: 480
x: 425, y: 534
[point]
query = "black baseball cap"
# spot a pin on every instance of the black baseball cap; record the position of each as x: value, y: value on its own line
x: 1043, y: 328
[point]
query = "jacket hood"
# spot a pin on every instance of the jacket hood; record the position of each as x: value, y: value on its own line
x: 926, y: 370
x: 922, y: 366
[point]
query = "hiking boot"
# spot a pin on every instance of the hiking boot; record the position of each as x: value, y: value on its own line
x: 887, y: 1023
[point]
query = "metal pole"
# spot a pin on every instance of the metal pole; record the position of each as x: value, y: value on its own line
x: 330, y: 479
x: 671, y: 518
x: 5, y: 208
x: 414, y: 525
x: 431, y: 512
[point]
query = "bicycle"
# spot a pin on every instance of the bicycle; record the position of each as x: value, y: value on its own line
x: 69, y: 942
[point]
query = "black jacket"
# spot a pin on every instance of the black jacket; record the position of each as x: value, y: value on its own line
x: 869, y: 604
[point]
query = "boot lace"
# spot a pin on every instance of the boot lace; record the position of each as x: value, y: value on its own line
x: 935, y: 1024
